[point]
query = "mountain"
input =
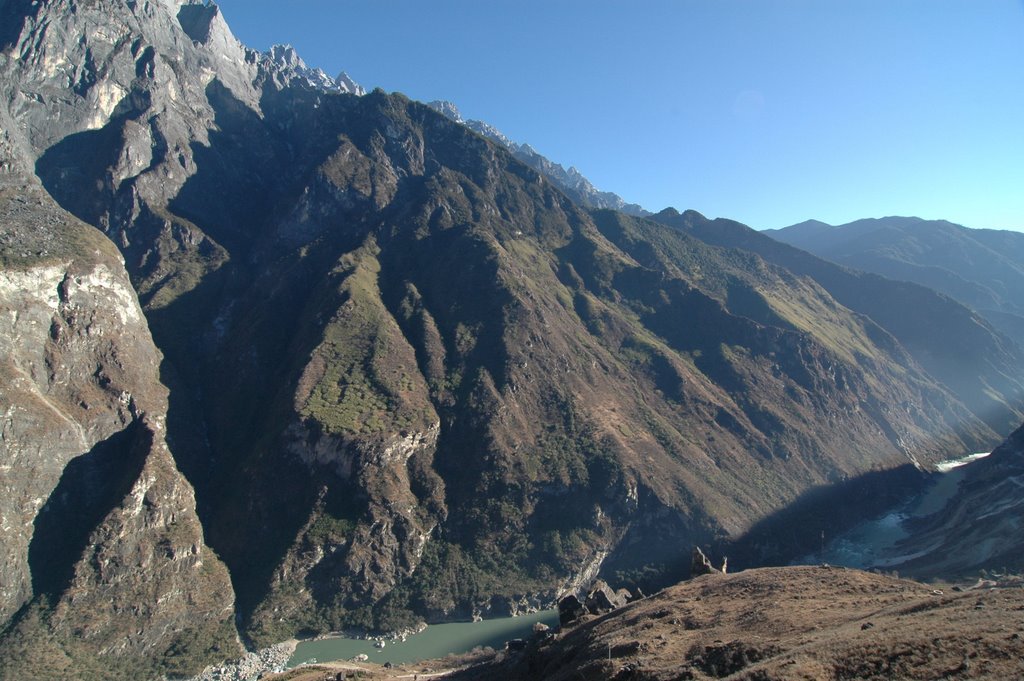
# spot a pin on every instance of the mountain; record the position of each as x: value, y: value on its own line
x: 102, y: 545
x: 404, y: 375
x: 981, y: 268
x: 952, y: 342
x: 286, y: 61
x: 571, y: 181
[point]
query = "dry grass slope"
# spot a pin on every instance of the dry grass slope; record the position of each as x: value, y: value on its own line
x: 779, y: 624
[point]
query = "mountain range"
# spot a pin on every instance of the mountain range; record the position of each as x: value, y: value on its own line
x: 954, y: 342
x: 283, y: 358
x: 981, y: 268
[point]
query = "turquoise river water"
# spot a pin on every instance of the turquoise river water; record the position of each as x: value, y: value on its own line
x: 435, y: 641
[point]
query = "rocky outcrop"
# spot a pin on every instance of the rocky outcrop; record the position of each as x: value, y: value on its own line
x: 570, y: 609
x: 600, y: 599
x: 251, y: 666
x: 701, y: 564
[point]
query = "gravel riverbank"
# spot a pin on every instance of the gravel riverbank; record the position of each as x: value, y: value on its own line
x: 252, y: 666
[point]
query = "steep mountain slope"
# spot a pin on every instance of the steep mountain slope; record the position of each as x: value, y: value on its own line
x: 981, y: 268
x: 571, y: 181
x: 411, y: 378
x: 955, y: 345
x: 104, y: 570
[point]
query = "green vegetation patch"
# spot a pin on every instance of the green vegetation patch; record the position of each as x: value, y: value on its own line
x: 34, y: 649
x: 184, y: 255
x: 364, y: 375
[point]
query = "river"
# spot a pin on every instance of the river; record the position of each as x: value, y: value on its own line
x: 435, y: 641
x: 875, y: 543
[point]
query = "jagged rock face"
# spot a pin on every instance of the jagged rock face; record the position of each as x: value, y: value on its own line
x: 287, y: 61
x: 103, y: 558
x: 700, y: 565
x: 603, y: 599
x: 408, y: 374
x: 64, y: 391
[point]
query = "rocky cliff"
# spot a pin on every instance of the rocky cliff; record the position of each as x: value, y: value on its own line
x: 409, y: 377
x: 104, y: 570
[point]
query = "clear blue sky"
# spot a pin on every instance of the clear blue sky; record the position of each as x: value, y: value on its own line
x: 769, y: 111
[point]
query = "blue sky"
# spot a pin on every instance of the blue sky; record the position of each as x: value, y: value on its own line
x: 768, y: 112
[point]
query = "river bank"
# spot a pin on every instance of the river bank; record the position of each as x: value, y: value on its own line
x: 251, y: 666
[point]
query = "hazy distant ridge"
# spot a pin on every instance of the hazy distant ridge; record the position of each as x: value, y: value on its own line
x: 981, y: 268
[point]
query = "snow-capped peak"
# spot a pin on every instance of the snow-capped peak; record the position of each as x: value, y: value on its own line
x: 346, y: 84
x: 570, y: 180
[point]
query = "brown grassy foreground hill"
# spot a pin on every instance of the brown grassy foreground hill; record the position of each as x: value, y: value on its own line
x: 787, y: 623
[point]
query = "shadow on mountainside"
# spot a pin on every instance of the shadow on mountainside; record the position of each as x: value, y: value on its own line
x: 821, y: 514
x: 240, y: 174
x: 221, y: 420
x: 75, y: 171
x: 794, y: 531
x: 91, y: 486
